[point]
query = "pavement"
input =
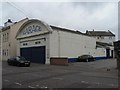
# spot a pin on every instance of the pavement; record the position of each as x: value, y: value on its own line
x: 97, y: 74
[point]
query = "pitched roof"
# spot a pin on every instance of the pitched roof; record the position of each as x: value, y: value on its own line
x: 101, y: 44
x: 100, y: 33
x: 8, y: 27
x: 67, y: 30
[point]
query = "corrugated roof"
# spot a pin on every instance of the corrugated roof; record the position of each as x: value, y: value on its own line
x: 100, y: 33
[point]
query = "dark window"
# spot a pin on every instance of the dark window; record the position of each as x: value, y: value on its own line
x: 3, y: 52
x: 7, y: 52
x: 25, y: 44
x: 37, y: 42
x: 3, y: 37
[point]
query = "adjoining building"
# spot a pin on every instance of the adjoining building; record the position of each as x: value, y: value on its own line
x: 8, y: 41
x: 102, y: 36
x: 38, y: 42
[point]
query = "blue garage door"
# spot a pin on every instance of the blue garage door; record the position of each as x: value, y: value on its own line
x: 34, y: 54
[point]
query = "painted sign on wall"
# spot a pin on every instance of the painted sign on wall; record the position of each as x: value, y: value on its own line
x: 31, y: 29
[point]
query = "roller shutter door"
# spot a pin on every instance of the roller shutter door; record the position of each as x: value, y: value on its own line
x: 34, y: 54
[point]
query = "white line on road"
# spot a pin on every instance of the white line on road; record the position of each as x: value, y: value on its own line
x: 98, y: 83
x: 18, y: 83
x: 44, y: 87
x: 37, y: 85
x: 6, y: 80
x: 31, y: 87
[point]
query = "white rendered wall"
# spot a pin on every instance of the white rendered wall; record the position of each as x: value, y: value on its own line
x: 107, y: 39
x: 71, y: 45
x: 54, y: 52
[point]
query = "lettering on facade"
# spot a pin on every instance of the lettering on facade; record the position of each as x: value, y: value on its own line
x: 31, y: 29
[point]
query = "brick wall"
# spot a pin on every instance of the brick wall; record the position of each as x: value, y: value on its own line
x: 59, y: 61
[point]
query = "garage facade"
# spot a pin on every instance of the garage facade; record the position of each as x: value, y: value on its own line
x: 38, y: 42
x: 32, y: 41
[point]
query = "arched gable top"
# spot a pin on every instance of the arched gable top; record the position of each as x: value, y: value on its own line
x: 33, y: 27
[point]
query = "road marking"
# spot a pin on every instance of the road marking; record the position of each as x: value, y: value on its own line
x: 99, y: 83
x: 6, y: 80
x: 83, y: 81
x: 44, y: 87
x: 18, y: 83
x: 37, y: 85
x: 31, y: 87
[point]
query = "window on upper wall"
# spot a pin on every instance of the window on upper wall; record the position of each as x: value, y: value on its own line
x: 6, y: 52
x: 25, y: 44
x: 38, y: 42
x: 97, y: 37
x: 102, y: 37
x: 3, y: 37
x: 7, y: 37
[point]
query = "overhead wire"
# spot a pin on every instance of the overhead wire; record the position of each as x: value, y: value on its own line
x: 19, y: 9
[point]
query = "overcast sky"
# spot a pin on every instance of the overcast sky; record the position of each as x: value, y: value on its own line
x: 80, y: 16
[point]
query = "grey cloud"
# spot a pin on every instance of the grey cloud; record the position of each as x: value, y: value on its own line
x: 73, y: 15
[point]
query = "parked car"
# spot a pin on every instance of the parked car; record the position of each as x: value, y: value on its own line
x: 18, y: 61
x: 85, y: 58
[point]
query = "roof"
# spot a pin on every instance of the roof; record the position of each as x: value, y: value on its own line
x: 5, y: 28
x: 101, y: 44
x: 100, y: 33
x: 8, y: 27
x: 67, y: 30
x: 117, y: 43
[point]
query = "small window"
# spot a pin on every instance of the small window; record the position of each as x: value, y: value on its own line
x: 3, y: 37
x: 102, y: 37
x: 3, y: 53
x: 7, y: 52
x: 7, y: 37
x: 37, y: 42
x: 25, y: 44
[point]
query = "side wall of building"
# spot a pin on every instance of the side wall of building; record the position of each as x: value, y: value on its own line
x: 106, y: 39
x: 10, y: 46
x: 5, y: 44
x: 71, y: 45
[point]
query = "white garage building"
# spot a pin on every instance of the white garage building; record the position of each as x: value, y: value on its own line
x: 38, y: 42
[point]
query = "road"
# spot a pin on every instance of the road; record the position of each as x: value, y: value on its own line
x: 98, y: 74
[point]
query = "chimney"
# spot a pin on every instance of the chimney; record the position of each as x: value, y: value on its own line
x: 8, y: 23
x: 86, y: 31
x: 93, y: 29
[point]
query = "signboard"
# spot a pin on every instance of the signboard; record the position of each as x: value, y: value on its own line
x: 31, y: 29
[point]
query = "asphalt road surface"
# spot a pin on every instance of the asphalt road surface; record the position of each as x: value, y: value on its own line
x: 97, y: 74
